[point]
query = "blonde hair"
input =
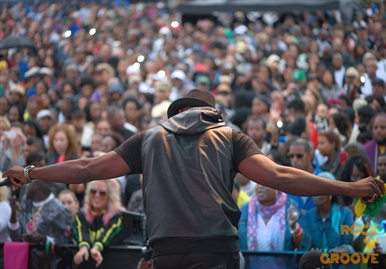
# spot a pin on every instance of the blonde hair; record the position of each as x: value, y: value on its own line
x: 6, y: 121
x: 114, y: 200
x: 4, y: 193
x: 70, y: 192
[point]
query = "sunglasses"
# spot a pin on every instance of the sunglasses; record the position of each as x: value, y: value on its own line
x: 101, y: 193
x: 298, y: 156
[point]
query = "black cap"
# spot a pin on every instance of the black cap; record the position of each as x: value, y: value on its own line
x: 264, y: 98
x: 195, y: 98
x: 378, y: 81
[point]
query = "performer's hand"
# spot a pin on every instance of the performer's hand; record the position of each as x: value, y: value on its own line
x: 368, y: 187
x: 16, y: 176
x: 81, y: 255
x: 96, y: 255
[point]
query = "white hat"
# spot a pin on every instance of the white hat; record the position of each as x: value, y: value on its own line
x: 44, y: 113
x: 145, y: 88
x: 366, y: 56
x: 132, y: 70
x: 164, y: 31
x: 32, y: 72
x: 45, y: 71
x: 179, y: 75
x: 159, y: 76
x: 273, y: 61
x: 240, y: 30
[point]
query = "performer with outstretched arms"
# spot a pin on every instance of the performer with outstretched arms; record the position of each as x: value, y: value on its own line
x: 188, y: 164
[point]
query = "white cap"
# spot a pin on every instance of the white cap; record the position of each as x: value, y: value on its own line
x: 164, y: 31
x: 44, y: 113
x: 45, y: 71
x: 32, y: 72
x: 145, y: 88
x: 179, y: 75
x: 159, y: 76
x: 132, y: 70
x: 240, y: 30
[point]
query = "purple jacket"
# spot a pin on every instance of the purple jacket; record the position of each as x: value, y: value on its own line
x: 373, y: 152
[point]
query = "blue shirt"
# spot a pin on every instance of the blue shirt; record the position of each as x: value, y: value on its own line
x: 314, y: 225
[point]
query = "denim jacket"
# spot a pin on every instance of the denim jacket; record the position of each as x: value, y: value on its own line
x: 288, y: 242
x: 314, y: 225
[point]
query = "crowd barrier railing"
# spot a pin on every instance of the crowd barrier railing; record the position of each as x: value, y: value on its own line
x: 128, y: 257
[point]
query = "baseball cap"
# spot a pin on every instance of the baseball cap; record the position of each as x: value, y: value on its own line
x: 178, y: 74
x: 115, y: 87
x: 358, y: 103
x: 352, y: 72
x: 164, y: 86
x: 298, y: 75
x: 135, y: 79
x: 44, y: 113
x: 45, y: 71
x: 378, y: 81
x: 18, y: 89
x: 195, y: 98
x: 224, y: 88
x: 160, y: 76
x: 132, y: 69
x: 273, y: 60
x: 33, y: 71
x: 202, y: 80
x: 105, y: 66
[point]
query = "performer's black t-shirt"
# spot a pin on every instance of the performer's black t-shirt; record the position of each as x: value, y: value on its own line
x: 130, y: 150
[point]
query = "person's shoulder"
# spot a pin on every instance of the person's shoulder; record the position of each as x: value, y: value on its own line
x: 345, y: 210
x: 369, y: 145
x: 5, y: 206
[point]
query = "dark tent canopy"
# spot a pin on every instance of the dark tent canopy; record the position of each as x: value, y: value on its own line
x: 209, y: 6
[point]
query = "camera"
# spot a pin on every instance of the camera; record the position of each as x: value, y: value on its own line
x: 10, y: 134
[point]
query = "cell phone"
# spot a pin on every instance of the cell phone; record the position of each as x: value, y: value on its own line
x: 27, y: 235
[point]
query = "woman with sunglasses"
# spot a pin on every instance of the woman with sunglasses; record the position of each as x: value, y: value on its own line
x: 99, y: 222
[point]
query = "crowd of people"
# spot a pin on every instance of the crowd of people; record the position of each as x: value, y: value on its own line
x: 309, y: 90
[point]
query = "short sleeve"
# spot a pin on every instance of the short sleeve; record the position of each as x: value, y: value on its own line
x: 131, y: 152
x: 243, y: 147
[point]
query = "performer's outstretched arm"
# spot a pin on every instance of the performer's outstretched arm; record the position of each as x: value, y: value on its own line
x: 262, y: 170
x: 107, y: 166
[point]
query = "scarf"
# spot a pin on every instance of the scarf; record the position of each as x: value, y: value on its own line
x: 255, y: 208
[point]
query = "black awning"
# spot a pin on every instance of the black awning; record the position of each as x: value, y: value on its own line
x: 209, y: 6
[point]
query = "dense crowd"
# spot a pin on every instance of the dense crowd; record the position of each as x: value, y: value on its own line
x: 308, y: 89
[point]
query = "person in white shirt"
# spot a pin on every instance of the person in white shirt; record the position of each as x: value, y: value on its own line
x: 5, y: 215
x: 339, y: 69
